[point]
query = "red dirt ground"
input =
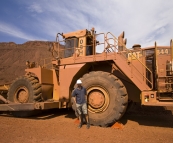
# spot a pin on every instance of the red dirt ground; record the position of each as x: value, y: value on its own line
x: 141, y: 125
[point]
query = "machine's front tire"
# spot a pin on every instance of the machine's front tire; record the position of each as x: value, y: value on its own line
x: 25, y: 89
x: 107, y: 98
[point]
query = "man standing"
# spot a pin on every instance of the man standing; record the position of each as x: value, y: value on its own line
x: 80, y: 98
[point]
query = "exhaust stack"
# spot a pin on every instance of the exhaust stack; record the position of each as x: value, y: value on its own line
x: 121, y: 42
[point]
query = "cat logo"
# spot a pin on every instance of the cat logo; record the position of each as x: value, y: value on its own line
x: 134, y: 55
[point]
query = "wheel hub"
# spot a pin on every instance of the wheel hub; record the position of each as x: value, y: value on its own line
x: 22, y: 95
x: 96, y: 99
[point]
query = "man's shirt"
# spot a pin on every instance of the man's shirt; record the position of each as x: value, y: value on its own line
x: 80, y: 95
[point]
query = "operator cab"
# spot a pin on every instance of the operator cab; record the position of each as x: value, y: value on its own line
x: 78, y: 43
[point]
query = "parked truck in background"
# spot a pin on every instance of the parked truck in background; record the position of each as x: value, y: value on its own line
x: 112, y: 77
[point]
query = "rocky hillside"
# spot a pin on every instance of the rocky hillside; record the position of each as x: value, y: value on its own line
x: 13, y: 58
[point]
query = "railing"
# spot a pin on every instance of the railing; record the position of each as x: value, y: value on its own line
x: 114, y: 49
x: 46, y: 63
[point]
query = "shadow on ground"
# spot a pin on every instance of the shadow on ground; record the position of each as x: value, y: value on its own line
x: 52, y: 113
x: 149, y: 115
x: 143, y: 115
x: 44, y: 115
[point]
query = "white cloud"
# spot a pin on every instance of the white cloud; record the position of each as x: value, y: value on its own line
x: 35, y: 7
x: 15, y: 32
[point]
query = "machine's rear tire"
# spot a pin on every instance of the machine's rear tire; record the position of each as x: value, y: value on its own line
x: 25, y: 89
x: 107, y: 98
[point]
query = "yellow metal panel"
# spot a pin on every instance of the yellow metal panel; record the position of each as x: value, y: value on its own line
x: 67, y: 74
x: 78, y: 33
x: 46, y: 76
x: 81, y: 50
x: 55, y: 86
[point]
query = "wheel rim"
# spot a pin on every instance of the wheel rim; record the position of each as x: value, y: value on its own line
x: 98, y: 99
x: 21, y: 95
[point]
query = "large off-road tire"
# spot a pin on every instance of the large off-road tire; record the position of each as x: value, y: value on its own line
x: 107, y: 98
x: 25, y: 89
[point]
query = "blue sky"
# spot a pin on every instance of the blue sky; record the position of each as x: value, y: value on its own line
x: 143, y: 21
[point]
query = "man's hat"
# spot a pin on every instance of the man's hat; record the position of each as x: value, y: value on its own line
x: 79, y: 81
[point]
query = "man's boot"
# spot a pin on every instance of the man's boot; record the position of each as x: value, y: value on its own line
x: 81, y: 122
x: 88, y: 125
x: 80, y: 125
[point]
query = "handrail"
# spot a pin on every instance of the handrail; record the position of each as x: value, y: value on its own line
x: 171, y: 47
x: 44, y: 61
x: 129, y: 51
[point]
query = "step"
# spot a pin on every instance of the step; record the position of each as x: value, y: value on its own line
x: 165, y: 98
x: 126, y: 68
